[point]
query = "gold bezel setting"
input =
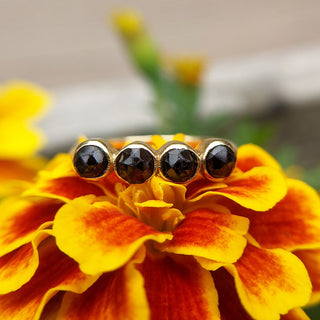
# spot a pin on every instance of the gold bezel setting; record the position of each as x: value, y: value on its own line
x: 187, y: 167
x: 137, y: 174
x: 107, y: 150
x: 209, y: 145
x: 184, y: 176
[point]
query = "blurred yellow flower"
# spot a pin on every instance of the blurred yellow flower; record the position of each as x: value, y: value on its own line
x: 20, y: 103
x: 140, y: 45
x: 128, y: 22
x: 188, y: 68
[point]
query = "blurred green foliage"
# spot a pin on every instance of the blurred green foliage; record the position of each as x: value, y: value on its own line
x: 176, y: 85
x: 313, y: 313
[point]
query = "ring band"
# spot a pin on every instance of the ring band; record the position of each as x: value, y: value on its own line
x: 135, y: 159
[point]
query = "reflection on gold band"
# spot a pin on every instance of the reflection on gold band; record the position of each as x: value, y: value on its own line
x: 176, y: 161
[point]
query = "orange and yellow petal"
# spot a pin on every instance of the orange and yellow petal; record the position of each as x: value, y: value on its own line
x: 311, y: 260
x: 20, y: 169
x: 199, y: 186
x: 58, y: 167
x: 61, y: 167
x: 52, y: 307
x: 117, y: 295
x: 250, y: 156
x: 16, y: 175
x: 110, y: 184
x: 211, y: 235
x: 159, y: 214
x: 56, y: 272
x: 179, y: 289
x: 20, y: 218
x: 209, y: 264
x: 168, y: 192
x: 293, y: 223
x: 230, y: 306
x: 157, y: 141
x: 65, y: 188
x: 270, y: 282
x: 258, y: 189
x: 155, y: 189
x: 18, y: 266
x: 98, y: 236
x: 58, y: 180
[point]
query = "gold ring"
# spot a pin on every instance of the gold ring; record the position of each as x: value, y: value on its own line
x: 135, y: 160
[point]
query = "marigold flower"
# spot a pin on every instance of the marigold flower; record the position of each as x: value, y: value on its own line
x: 246, y: 247
x: 20, y: 103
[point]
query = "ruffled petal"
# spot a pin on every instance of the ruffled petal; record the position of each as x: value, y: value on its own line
x: 16, y: 175
x: 99, y: 236
x: 51, y: 309
x: 179, y: 289
x: 211, y: 235
x: 258, y: 189
x: 250, y: 156
x: 229, y: 303
x: 270, y: 282
x: 56, y: 272
x: 18, y: 266
x: 117, y: 295
x: 198, y: 187
x: 159, y: 215
x: 59, y: 181
x: 65, y: 188
x: 293, y: 223
x: 168, y: 192
x: 155, y: 189
x: 209, y: 264
x: 110, y: 183
x: 157, y: 141
x: 20, y: 218
x: 311, y: 260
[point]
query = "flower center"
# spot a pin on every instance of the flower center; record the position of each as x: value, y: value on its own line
x: 156, y: 202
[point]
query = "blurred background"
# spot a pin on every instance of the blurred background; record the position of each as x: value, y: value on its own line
x: 245, y: 70
x: 262, y: 67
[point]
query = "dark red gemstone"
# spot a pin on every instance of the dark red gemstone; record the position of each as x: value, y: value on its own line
x: 179, y: 165
x: 135, y: 165
x: 220, y: 161
x: 91, y: 161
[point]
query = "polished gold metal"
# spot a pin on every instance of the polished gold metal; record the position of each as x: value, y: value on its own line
x: 207, y: 145
x: 200, y: 148
x: 148, y: 139
x: 171, y: 145
x: 135, y: 144
x: 106, y: 147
